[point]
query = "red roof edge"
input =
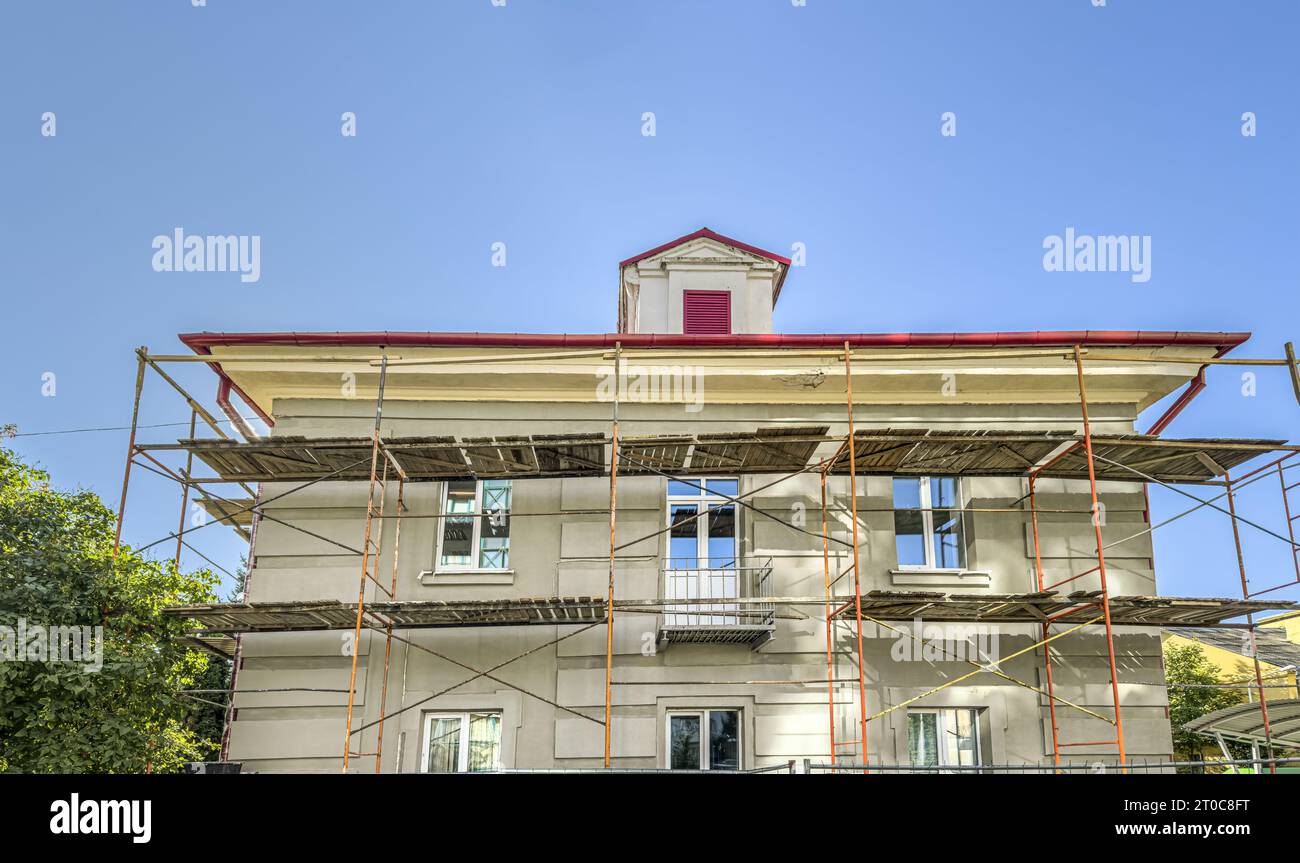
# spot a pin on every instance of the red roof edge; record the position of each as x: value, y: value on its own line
x: 203, y: 342
x: 712, y: 235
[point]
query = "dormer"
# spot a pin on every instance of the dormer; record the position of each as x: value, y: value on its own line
x: 702, y: 284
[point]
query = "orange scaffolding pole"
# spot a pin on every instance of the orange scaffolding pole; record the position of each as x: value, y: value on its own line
x: 1101, y: 556
x: 365, y: 563
x: 857, y: 581
x: 388, y: 628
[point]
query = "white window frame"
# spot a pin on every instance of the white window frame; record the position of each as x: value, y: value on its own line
x: 438, y: 565
x: 927, y: 526
x: 702, y: 579
x: 945, y: 723
x: 462, y: 757
x: 703, y: 714
x: 705, y: 501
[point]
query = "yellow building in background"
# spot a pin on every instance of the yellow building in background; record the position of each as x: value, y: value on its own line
x: 1229, y: 650
x: 1289, y: 623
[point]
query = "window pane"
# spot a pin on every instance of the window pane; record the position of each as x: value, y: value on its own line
x: 684, y: 742
x: 680, y: 488
x: 484, y: 741
x: 923, y: 739
x: 494, y: 529
x: 965, y: 748
x: 683, y: 538
x: 458, y: 533
x: 945, y: 500
x: 444, y: 745
x: 722, y: 536
x: 907, y: 493
x: 724, y: 740
x: 909, y: 525
x: 727, y: 487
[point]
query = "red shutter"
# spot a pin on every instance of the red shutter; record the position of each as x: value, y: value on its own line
x: 706, y: 312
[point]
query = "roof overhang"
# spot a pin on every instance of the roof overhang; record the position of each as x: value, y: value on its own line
x: 895, y: 368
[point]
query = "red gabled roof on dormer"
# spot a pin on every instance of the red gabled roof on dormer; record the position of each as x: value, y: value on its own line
x: 711, y: 235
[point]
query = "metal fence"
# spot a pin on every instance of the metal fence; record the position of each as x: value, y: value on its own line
x: 1243, y: 765
x: 784, y: 767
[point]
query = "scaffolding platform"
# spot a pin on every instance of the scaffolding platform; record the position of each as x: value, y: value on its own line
x: 896, y: 452
x: 936, y: 607
x: 881, y: 452
x: 318, y: 615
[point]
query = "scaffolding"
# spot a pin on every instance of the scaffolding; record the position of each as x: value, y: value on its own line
x: 787, y: 451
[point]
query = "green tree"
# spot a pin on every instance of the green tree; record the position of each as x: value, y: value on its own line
x: 1195, y: 696
x: 208, y: 716
x: 57, y: 568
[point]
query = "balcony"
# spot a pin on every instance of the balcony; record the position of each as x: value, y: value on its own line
x: 695, y: 621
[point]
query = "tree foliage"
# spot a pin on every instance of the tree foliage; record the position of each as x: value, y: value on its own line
x: 57, y: 568
x: 1187, y: 664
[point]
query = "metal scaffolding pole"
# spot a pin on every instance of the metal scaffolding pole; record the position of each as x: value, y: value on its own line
x: 613, y: 551
x: 388, y: 627
x: 376, y: 444
x: 1101, y: 554
x: 1047, y: 648
x: 185, y: 492
x: 857, y: 581
x: 238, y: 658
x: 130, y: 449
x: 1293, y: 368
x: 1250, y: 620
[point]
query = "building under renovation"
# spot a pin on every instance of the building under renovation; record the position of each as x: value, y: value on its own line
x: 697, y: 544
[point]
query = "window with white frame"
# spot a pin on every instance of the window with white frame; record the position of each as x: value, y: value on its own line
x: 702, y: 521
x: 702, y: 550
x: 461, y: 742
x: 704, y: 740
x: 947, y: 737
x: 928, y: 527
x: 475, y: 532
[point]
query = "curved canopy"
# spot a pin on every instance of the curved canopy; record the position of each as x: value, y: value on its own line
x: 1245, y: 722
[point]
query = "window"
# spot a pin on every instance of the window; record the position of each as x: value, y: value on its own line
x: 943, y: 738
x: 461, y: 742
x: 706, y: 312
x: 709, y: 540
x: 928, y: 530
x: 704, y: 740
x: 476, y: 531
x: 701, y: 559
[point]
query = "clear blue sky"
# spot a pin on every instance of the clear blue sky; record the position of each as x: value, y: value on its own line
x: 775, y: 124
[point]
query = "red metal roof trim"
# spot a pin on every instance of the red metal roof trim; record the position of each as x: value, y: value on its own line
x: 712, y: 235
x: 203, y: 342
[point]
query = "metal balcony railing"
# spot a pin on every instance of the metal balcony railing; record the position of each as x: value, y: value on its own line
x: 690, y: 621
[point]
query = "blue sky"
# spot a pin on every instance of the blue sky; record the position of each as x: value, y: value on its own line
x: 775, y: 124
